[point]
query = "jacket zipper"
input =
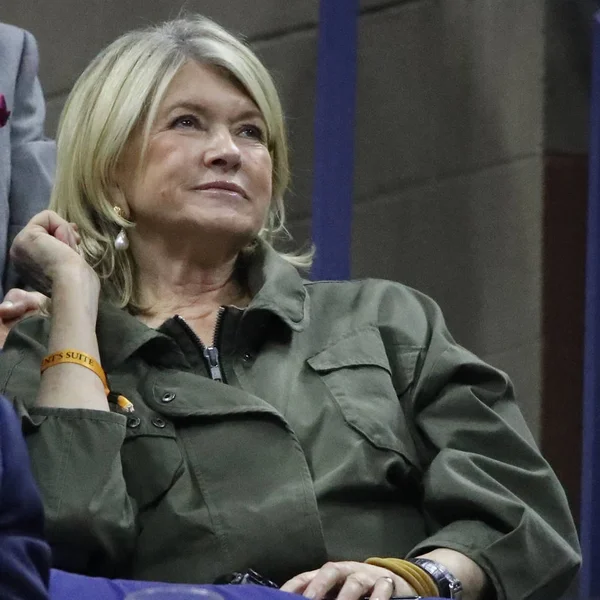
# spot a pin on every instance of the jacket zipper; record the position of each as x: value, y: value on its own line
x: 210, y: 353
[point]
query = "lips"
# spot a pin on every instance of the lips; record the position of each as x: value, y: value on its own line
x: 223, y: 185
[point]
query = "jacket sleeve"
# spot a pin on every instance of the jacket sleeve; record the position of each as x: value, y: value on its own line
x: 33, y: 156
x: 487, y: 490
x: 75, y: 456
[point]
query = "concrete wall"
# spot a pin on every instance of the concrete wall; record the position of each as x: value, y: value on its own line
x: 566, y: 115
x: 448, y: 142
x: 567, y: 81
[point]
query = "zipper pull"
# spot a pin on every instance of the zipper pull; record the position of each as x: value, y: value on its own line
x: 212, y: 357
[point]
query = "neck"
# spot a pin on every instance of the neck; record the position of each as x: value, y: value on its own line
x: 188, y: 282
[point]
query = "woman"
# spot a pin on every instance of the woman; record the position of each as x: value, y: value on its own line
x: 296, y: 428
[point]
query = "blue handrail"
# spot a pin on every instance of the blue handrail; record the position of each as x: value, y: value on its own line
x: 334, y: 138
x: 590, y: 485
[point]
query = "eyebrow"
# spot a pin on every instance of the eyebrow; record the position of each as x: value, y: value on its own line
x: 247, y: 113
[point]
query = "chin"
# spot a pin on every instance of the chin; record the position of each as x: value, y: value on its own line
x: 243, y: 233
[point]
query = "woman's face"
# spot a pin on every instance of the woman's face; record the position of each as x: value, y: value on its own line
x: 207, y: 168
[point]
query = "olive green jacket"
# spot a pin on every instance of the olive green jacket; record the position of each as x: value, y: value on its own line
x: 350, y: 425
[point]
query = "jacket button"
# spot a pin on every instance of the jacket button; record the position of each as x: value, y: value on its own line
x: 168, y: 397
x: 248, y: 357
x: 133, y: 422
x: 158, y: 422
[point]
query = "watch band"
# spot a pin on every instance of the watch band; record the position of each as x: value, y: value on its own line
x: 448, y: 585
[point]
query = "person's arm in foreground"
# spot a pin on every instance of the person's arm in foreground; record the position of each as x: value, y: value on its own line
x: 73, y: 438
x: 24, y: 554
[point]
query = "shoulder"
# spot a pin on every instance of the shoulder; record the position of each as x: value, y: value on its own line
x: 19, y: 53
x: 382, y: 303
x: 370, y: 289
x: 12, y: 41
x: 11, y: 33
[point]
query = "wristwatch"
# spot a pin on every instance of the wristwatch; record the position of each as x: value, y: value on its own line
x: 448, y: 585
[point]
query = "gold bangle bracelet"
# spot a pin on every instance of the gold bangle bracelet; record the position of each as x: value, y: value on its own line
x: 416, y: 577
x: 426, y: 580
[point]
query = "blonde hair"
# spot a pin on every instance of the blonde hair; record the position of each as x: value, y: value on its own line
x: 121, y: 89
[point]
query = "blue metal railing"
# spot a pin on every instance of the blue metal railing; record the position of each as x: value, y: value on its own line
x: 590, y: 485
x: 334, y: 139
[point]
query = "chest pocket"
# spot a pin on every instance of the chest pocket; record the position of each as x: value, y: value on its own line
x: 369, y: 390
x: 150, y: 457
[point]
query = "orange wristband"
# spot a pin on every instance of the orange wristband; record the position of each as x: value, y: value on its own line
x: 85, y: 360
x: 76, y: 357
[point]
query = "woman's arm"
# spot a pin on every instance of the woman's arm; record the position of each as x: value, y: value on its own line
x: 74, y: 440
x: 497, y: 518
x: 45, y: 252
x: 73, y: 326
x: 488, y: 493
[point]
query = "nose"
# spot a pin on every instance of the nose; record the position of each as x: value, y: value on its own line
x: 222, y: 151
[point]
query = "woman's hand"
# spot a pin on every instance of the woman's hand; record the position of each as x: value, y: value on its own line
x: 348, y: 580
x: 17, y: 305
x: 44, y: 248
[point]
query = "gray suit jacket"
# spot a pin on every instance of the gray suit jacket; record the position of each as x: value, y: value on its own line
x: 27, y: 159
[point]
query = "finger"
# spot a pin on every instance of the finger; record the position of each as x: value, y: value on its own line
x: 11, y: 310
x: 71, y: 238
x: 49, y: 220
x: 3, y: 334
x: 297, y: 584
x: 328, y: 577
x: 356, y: 586
x: 76, y: 234
x: 18, y: 302
x: 32, y: 300
x: 383, y: 589
x: 56, y: 226
x: 64, y: 233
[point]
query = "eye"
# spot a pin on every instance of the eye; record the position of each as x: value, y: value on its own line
x: 185, y: 122
x: 252, y: 131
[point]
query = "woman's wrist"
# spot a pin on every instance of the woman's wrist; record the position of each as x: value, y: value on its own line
x: 72, y: 274
x: 75, y: 285
x: 474, y: 581
x: 74, y: 312
x: 75, y: 291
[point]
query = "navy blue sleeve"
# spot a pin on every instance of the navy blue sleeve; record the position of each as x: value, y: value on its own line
x: 24, y: 554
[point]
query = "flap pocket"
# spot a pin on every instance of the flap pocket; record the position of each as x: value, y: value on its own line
x: 365, y: 347
x: 362, y: 347
x: 368, y: 389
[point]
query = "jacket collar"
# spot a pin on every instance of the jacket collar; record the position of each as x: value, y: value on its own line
x: 275, y: 285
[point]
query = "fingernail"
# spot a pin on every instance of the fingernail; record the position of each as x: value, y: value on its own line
x: 6, y: 304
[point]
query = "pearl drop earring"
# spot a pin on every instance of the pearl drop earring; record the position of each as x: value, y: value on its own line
x: 121, y: 241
